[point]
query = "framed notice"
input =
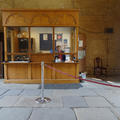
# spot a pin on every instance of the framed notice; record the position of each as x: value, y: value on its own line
x: 80, y: 43
x: 55, y: 36
x: 45, y: 36
x: 65, y: 42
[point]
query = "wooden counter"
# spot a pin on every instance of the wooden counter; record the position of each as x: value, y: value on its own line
x: 31, y: 72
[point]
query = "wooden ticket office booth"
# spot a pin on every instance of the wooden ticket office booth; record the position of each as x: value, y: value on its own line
x: 31, y: 36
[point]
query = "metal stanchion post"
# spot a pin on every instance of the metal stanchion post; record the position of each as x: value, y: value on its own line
x: 42, y: 99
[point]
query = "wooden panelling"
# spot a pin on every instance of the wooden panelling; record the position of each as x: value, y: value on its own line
x: 67, y: 68
x: 17, y: 71
x: 36, y: 71
x: 40, y: 17
x: 31, y: 73
x: 48, y: 73
x: 38, y: 81
x: 42, y: 57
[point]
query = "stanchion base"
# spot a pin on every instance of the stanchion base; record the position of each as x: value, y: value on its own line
x: 43, y: 100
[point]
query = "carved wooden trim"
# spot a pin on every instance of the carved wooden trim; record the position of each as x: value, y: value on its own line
x: 56, y: 20
x: 15, y: 14
x: 40, y: 18
x: 40, y: 15
x: 72, y: 18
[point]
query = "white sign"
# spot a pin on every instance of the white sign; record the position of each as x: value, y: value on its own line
x: 80, y: 43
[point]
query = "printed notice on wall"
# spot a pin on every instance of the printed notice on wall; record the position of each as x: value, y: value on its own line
x: 45, y: 36
x: 80, y: 43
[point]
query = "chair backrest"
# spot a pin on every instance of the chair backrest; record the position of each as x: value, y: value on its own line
x: 97, y: 62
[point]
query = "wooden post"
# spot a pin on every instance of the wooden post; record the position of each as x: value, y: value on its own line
x: 29, y: 54
x: 29, y: 43
x: 74, y: 40
x: 5, y: 43
x: 12, y: 45
x: 5, y: 51
x: 53, y: 42
x: 77, y: 42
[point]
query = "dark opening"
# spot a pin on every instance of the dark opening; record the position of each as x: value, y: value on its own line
x: 1, y: 54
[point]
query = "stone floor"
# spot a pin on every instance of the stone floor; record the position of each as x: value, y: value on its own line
x: 85, y: 101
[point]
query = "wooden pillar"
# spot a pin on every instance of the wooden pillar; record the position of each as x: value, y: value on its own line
x: 53, y: 42
x: 29, y: 43
x: 74, y: 39
x: 5, y: 43
x: 71, y: 45
x: 5, y: 51
x: 77, y: 42
x: 12, y: 45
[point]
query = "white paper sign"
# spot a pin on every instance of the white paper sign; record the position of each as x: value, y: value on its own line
x: 80, y: 43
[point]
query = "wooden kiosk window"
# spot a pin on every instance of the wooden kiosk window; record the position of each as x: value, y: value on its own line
x: 17, y: 43
x: 31, y: 36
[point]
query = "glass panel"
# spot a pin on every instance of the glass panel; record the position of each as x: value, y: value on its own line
x: 65, y: 43
x: 64, y: 39
x: 9, y: 39
x: 17, y: 42
x: 81, y: 54
x: 21, y: 58
x: 42, y: 39
x: 17, y: 39
x: 9, y: 57
x: 65, y: 58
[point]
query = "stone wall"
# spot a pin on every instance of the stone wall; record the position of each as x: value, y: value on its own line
x: 95, y: 16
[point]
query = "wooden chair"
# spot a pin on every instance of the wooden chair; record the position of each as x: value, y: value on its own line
x: 99, y: 70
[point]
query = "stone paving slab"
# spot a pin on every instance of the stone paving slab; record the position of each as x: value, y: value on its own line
x: 17, y: 86
x: 89, y: 85
x: 86, y: 92
x: 31, y: 86
x: 97, y: 102
x: 48, y: 93
x: 15, y: 113
x: 116, y: 111
x: 11, y: 86
x: 13, y: 92
x: 65, y: 93
x: 30, y: 92
x: 102, y: 92
x: 2, y: 91
x: 29, y: 101
x: 8, y: 101
x: 52, y: 114
x: 75, y: 92
x: 113, y: 99
x: 74, y: 101
x: 94, y: 114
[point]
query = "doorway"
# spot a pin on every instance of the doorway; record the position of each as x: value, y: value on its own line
x: 1, y: 54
